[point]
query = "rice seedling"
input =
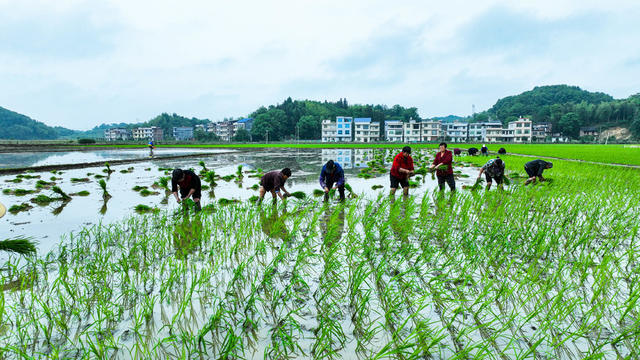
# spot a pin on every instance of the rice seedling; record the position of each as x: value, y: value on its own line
x: 376, y: 187
x: 42, y: 200
x: 16, y: 208
x: 300, y: 195
x: 239, y: 173
x: 18, y: 192
x: 81, y: 193
x: 210, y: 177
x: 41, y: 184
x: 139, y: 187
x: 22, y: 246
x: 103, y: 186
x: 145, y: 209
x: 204, y: 167
x: 64, y: 196
x: 79, y: 180
x: 107, y: 169
x: 255, y: 187
x: 15, y: 181
x: 317, y: 192
x: 223, y: 201
x: 228, y: 178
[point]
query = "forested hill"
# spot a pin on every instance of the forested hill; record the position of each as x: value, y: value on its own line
x: 16, y: 126
x: 568, y: 108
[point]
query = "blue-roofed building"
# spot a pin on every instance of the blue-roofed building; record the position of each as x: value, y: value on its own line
x: 245, y: 123
x: 365, y: 130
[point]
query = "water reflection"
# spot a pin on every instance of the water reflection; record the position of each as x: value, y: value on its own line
x: 187, y: 235
x: 273, y: 224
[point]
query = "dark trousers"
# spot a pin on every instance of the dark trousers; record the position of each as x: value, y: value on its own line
x: 340, y: 190
x: 451, y: 181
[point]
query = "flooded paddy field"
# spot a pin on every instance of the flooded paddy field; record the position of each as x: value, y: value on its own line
x: 538, y: 272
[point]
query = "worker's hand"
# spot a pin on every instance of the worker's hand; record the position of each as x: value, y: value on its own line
x: 432, y: 166
x: 326, y: 189
x: 178, y: 200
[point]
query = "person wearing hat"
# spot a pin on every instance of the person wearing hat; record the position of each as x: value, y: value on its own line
x: 273, y: 181
x: 401, y: 170
x: 493, y: 169
x: 535, y: 168
x: 444, y: 157
x: 189, y: 184
x: 332, y: 176
x: 484, y: 150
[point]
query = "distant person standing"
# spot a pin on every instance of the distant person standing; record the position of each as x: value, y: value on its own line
x: 401, y: 170
x: 150, y: 148
x: 493, y: 169
x: 189, y: 184
x: 444, y: 157
x: 273, y: 182
x: 484, y: 150
x: 332, y: 175
x: 535, y: 168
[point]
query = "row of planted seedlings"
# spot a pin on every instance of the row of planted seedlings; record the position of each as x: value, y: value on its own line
x: 535, y: 272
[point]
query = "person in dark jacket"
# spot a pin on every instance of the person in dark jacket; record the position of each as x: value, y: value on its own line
x: 189, y: 184
x: 493, y: 169
x: 273, y: 181
x: 502, y: 151
x: 484, y: 150
x: 444, y: 157
x: 472, y: 151
x: 535, y: 168
x: 332, y: 175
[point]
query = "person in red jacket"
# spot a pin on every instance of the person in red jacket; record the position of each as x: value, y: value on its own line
x: 401, y: 170
x: 444, y: 157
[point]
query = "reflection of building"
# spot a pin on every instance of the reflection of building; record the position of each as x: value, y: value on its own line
x: 365, y: 130
x: 393, y: 130
x: 341, y: 156
x: 114, y: 134
x: 148, y: 133
x: 361, y: 157
x: 183, y: 133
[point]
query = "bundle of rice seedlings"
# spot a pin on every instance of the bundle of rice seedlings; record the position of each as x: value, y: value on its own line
x: 224, y: 201
x: 62, y: 194
x: 23, y: 246
x: 376, y: 187
x: 318, y: 192
x: 298, y: 195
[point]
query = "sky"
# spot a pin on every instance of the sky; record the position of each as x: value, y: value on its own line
x: 79, y: 64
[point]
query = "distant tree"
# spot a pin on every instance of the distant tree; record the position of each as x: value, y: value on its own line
x: 569, y: 125
x: 242, y: 135
x: 310, y: 127
x: 203, y: 136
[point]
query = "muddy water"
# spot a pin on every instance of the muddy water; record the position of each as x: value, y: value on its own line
x: 49, y: 224
x: 23, y: 159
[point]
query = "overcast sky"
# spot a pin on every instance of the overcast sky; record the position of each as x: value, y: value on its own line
x: 81, y: 63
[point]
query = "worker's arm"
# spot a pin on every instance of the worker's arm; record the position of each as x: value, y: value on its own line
x: 481, y: 171
x: 174, y: 190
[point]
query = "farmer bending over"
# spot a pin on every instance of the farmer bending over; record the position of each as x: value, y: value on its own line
x: 493, y: 169
x: 189, y: 184
x: 332, y: 175
x: 535, y: 168
x: 444, y: 157
x: 273, y: 181
x: 401, y: 170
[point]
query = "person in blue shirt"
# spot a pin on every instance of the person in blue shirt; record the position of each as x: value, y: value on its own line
x: 332, y: 176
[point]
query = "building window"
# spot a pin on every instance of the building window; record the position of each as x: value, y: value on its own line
x: 339, y: 126
x: 339, y: 132
x: 346, y: 132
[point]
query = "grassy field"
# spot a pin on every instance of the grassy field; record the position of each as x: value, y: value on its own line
x: 613, y: 154
x: 536, y: 272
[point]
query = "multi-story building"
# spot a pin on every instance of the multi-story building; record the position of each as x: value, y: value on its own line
x: 115, y: 134
x: 210, y: 127
x: 224, y: 129
x: 329, y: 131
x: 153, y: 133
x: 245, y: 123
x: 478, y: 131
x: 522, y: 130
x: 183, y: 133
x: 344, y: 128
x: 456, y: 131
x: 365, y: 131
x: 541, y: 131
x: 411, y: 130
x: 431, y: 131
x: 393, y: 130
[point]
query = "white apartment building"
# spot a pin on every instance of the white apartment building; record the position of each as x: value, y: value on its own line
x: 329, y: 131
x: 522, y: 130
x: 412, y: 131
x: 365, y: 131
x: 431, y: 131
x: 183, y: 133
x: 115, y: 134
x: 393, y: 130
x: 153, y: 133
x: 224, y: 130
x: 541, y: 131
x: 456, y: 131
x: 478, y: 131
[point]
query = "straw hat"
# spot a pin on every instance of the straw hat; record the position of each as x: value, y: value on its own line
x: 3, y: 210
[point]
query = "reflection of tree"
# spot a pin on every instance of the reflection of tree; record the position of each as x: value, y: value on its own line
x: 332, y: 224
x: 273, y: 224
x: 103, y: 209
x: 59, y: 209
